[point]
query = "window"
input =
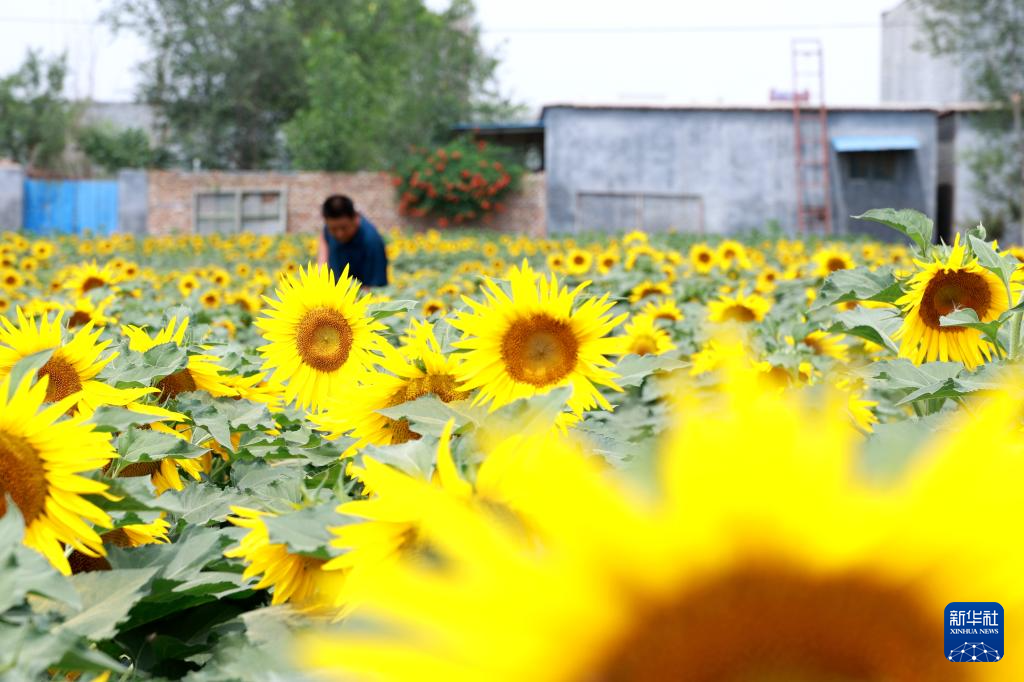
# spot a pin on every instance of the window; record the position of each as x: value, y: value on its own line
x: 873, y: 165
x: 240, y: 210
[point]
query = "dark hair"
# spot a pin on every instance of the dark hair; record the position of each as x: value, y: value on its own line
x: 338, y: 206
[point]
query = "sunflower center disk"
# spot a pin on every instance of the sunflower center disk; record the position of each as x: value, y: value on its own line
x: 92, y: 283
x: 79, y: 318
x: 171, y: 385
x: 441, y: 385
x: 64, y: 379
x: 739, y: 313
x: 539, y: 350
x: 324, y: 339
x: 645, y: 345
x: 949, y: 291
x: 772, y: 625
x: 22, y: 476
x: 833, y: 264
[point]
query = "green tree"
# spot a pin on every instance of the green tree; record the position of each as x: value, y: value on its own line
x: 383, y: 76
x: 112, y: 149
x: 224, y: 74
x: 987, y: 38
x: 34, y: 115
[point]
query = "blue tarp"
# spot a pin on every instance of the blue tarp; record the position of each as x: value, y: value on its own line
x: 71, y: 206
x: 875, y: 143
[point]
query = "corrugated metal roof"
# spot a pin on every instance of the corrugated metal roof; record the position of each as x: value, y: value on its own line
x: 776, y: 106
x: 875, y: 143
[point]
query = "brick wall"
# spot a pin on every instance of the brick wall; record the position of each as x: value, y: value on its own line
x: 171, y: 199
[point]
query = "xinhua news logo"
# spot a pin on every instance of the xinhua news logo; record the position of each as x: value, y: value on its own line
x: 974, y: 632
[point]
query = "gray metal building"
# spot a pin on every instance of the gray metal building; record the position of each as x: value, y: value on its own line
x: 729, y: 169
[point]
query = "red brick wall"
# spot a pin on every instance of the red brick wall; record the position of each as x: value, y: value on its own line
x: 171, y: 199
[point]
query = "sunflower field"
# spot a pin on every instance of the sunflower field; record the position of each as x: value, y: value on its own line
x: 635, y: 457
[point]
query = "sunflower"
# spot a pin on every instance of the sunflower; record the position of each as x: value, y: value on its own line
x: 664, y: 309
x: 202, y: 372
x: 649, y: 288
x: 88, y: 276
x: 556, y: 262
x: 764, y: 530
x: 41, y: 459
x: 578, y: 262
x: 732, y: 255
x: 130, y: 535
x: 827, y: 345
x: 767, y: 279
x: 84, y: 310
x: 42, y: 250
x: 293, y: 577
x: 830, y: 259
x: 389, y: 525
x: 607, y: 260
x: 210, y: 299
x: 434, y: 306
x: 643, y: 337
x: 531, y: 340
x: 11, y: 280
x: 187, y: 284
x: 319, y: 335
x: 415, y: 370
x: 76, y: 360
x: 739, y: 308
x: 939, y: 289
x: 249, y: 302
x: 634, y: 237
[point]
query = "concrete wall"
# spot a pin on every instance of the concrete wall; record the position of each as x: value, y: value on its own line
x: 12, y: 197
x: 132, y: 201
x: 909, y: 72
x: 739, y: 162
x: 170, y: 199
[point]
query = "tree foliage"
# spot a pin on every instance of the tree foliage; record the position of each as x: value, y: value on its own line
x: 34, y: 115
x: 383, y: 76
x: 987, y: 38
x: 341, y: 85
x: 225, y: 74
x: 112, y: 149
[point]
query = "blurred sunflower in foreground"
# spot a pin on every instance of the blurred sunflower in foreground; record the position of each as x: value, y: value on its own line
x: 766, y: 556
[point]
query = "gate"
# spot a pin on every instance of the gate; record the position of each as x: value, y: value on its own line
x: 71, y: 206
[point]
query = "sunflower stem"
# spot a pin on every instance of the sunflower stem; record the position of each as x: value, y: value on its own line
x: 1015, y: 324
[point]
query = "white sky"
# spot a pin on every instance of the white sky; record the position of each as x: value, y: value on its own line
x: 640, y: 51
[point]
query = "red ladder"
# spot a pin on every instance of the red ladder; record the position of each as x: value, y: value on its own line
x: 810, y: 138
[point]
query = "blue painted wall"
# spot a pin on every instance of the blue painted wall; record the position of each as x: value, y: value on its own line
x: 71, y: 206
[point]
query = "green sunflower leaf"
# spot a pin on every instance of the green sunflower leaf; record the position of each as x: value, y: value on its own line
x: 306, y: 531
x: 107, y: 597
x: 1002, y: 266
x: 858, y: 284
x: 968, y: 317
x: 874, y: 324
x: 914, y: 224
x: 28, y: 365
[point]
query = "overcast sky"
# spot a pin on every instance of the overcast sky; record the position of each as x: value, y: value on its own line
x: 640, y: 51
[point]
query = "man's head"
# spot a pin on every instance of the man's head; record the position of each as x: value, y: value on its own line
x: 340, y: 217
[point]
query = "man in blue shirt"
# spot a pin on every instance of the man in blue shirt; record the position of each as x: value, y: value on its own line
x: 348, y: 238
